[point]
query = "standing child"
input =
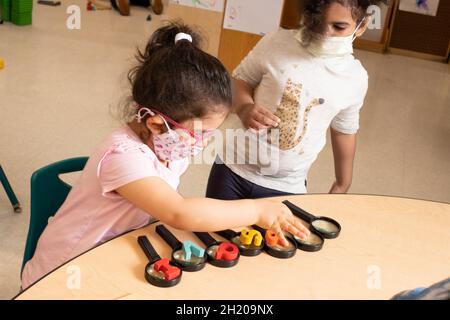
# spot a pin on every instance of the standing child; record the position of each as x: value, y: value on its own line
x: 131, y: 178
x: 299, y: 82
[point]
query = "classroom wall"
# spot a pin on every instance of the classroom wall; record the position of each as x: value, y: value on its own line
x: 422, y: 33
x: 407, y: 31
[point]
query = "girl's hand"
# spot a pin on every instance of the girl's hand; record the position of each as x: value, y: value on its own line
x: 257, y: 117
x: 277, y: 217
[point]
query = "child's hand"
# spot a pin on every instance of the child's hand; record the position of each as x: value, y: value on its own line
x: 257, y: 117
x: 277, y: 217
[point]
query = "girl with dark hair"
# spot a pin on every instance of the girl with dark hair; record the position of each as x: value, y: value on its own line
x: 297, y: 83
x: 132, y: 177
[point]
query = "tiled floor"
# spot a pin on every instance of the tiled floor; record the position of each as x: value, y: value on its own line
x: 58, y: 85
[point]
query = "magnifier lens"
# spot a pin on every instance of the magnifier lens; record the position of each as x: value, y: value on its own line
x: 211, y: 251
x: 153, y: 273
x: 279, y: 247
x: 325, y: 226
x: 312, y: 239
x: 194, y: 260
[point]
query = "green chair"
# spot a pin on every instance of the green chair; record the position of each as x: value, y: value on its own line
x: 48, y: 192
x: 9, y: 191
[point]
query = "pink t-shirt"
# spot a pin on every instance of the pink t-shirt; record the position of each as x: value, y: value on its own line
x: 93, y: 212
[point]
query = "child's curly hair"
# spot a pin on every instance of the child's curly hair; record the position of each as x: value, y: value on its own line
x: 313, y: 11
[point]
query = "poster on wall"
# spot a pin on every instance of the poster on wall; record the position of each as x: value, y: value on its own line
x: 253, y: 17
x: 427, y: 7
x: 213, y: 5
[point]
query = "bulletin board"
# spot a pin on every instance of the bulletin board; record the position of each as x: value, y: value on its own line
x: 213, y: 5
x: 423, y: 34
x: 236, y: 44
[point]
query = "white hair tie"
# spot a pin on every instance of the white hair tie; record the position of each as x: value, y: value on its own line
x: 140, y: 115
x: 183, y: 36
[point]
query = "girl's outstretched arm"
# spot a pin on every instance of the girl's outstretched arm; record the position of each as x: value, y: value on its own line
x: 156, y: 197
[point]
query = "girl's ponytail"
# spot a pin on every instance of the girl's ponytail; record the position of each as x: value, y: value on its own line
x: 164, y: 38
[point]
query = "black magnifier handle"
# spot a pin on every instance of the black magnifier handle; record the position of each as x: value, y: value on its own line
x: 206, y: 238
x: 261, y: 230
x: 300, y: 213
x: 148, y: 249
x: 227, y: 234
x: 168, y: 237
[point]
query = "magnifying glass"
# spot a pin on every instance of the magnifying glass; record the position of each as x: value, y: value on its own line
x: 326, y: 227
x: 273, y: 244
x: 159, y: 272
x: 220, y: 254
x: 313, y: 243
x: 249, y: 242
x: 187, y: 255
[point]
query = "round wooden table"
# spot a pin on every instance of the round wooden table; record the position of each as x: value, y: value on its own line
x: 387, y: 245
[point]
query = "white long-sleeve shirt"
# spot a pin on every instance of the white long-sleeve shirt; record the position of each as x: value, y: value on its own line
x: 309, y: 94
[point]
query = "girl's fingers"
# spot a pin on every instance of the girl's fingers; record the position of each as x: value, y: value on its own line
x: 297, y: 227
x: 293, y: 229
x: 266, y: 118
x: 256, y: 125
x: 280, y: 234
x: 266, y: 112
x: 300, y: 226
